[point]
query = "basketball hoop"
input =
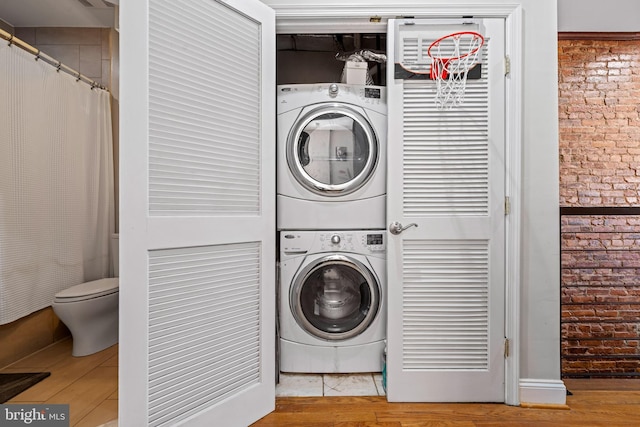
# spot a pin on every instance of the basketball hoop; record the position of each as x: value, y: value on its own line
x: 452, y: 57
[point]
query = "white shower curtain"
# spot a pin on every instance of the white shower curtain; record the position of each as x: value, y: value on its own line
x: 56, y: 183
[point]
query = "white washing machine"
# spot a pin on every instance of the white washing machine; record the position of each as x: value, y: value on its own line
x: 332, y: 142
x: 332, y: 301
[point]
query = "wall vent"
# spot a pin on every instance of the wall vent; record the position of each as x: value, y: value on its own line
x: 96, y: 4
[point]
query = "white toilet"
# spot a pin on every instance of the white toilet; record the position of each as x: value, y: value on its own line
x: 90, y: 311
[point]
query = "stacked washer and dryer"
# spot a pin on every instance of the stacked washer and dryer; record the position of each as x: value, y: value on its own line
x: 331, y: 202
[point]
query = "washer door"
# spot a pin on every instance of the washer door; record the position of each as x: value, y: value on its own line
x: 332, y: 150
x: 335, y: 298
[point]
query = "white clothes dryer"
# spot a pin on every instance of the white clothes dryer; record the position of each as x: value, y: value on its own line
x: 332, y: 301
x: 331, y: 156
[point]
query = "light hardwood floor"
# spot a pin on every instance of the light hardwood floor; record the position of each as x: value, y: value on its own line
x: 595, y: 403
x: 90, y: 386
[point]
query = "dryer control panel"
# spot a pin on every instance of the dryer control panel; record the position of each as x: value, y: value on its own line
x: 294, y: 96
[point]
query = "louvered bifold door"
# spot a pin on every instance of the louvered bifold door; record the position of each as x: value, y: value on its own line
x: 197, y: 267
x: 446, y: 176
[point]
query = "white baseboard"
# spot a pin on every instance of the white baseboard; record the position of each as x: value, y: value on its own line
x: 543, y: 392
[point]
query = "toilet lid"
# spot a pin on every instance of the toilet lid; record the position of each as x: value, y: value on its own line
x: 92, y: 289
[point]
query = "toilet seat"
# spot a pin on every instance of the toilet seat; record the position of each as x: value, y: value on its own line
x: 88, y: 290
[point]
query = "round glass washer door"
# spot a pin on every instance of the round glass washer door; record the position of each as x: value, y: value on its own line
x: 332, y: 150
x: 335, y: 298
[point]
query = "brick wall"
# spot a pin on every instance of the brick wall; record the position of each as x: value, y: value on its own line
x: 600, y: 295
x: 599, y: 111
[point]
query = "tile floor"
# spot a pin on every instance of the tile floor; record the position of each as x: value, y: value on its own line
x: 368, y: 384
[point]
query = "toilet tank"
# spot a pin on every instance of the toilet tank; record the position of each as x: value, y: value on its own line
x: 115, y: 254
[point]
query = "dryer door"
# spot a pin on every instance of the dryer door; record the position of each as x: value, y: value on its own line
x: 335, y: 297
x: 332, y: 150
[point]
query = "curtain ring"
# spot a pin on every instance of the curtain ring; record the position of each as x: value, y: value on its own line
x: 10, y: 40
x: 58, y: 67
x: 78, y: 77
x: 37, y: 56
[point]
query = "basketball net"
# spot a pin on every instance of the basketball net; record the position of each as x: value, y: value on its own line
x: 452, y: 58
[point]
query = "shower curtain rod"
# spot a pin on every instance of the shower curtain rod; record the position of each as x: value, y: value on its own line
x: 59, y: 66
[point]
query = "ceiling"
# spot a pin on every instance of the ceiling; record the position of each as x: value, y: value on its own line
x: 573, y: 15
x: 58, y: 13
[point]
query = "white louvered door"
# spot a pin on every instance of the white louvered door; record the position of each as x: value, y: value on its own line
x: 446, y: 174
x: 197, y: 179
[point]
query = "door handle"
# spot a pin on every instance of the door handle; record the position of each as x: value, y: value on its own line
x: 397, y: 228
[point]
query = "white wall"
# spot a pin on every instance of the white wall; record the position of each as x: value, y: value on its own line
x: 599, y: 15
x: 540, y: 286
x: 540, y: 297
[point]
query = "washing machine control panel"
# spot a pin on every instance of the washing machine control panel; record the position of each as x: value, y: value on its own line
x: 351, y: 242
x: 336, y: 241
x: 293, y: 243
x: 374, y: 242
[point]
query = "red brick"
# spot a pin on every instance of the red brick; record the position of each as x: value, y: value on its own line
x: 599, y: 129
